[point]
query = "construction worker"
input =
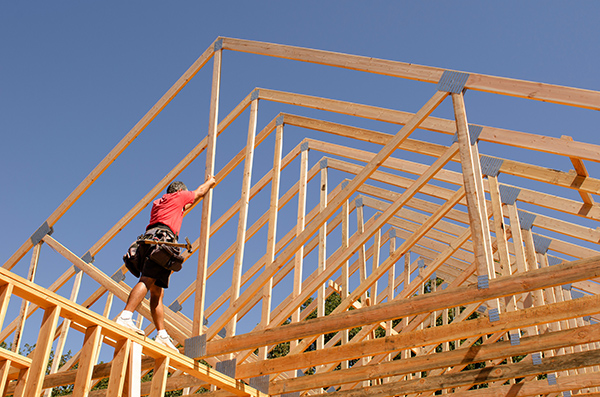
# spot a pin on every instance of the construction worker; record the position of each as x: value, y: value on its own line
x: 166, y: 217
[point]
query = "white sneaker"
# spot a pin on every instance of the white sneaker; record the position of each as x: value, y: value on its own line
x: 166, y: 341
x: 129, y: 324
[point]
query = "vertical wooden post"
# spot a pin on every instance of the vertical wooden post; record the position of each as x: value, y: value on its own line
x: 22, y: 379
x: 299, y: 256
x: 407, y: 271
x: 362, y: 258
x: 198, y: 319
x: 83, y: 380
x: 322, y: 253
x: 42, y: 350
x: 118, y: 369
x: 243, y: 216
x: 159, y: 379
x: 475, y: 196
x: 5, y: 293
x: 35, y: 256
x: 64, y: 330
x: 376, y: 256
x: 4, y: 370
x: 391, y: 280
x: 272, y: 232
x: 135, y: 370
x: 345, y: 267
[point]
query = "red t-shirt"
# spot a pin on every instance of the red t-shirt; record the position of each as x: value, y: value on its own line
x: 169, y: 209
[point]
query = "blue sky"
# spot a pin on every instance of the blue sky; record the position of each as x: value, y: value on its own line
x: 76, y: 76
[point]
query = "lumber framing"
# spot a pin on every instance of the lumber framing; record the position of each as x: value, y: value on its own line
x: 455, y: 275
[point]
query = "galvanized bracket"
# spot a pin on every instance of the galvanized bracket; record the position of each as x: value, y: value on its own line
x: 508, y: 194
x: 553, y: 260
x: 541, y: 243
x: 218, y: 45
x: 483, y: 282
x: 87, y: 257
x: 303, y: 146
x: 118, y: 277
x: 222, y: 333
x: 515, y: 339
x: 260, y: 383
x: 490, y: 166
x: 227, y: 367
x: 39, y: 234
x: 195, y: 347
x: 323, y: 163
x: 536, y: 358
x: 526, y: 219
x: 452, y: 81
x: 175, y: 306
x: 254, y: 95
x: 493, y: 314
x: 279, y: 120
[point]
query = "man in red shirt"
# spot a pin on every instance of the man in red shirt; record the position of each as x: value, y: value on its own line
x: 166, y: 215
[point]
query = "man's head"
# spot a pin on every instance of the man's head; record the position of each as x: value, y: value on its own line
x: 176, y: 186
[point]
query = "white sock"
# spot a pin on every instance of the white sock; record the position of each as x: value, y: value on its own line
x: 126, y: 315
x: 162, y: 333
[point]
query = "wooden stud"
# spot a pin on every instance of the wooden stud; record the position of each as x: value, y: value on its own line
x: 272, y: 232
x: 42, y: 351
x: 322, y: 254
x: 87, y: 361
x: 35, y: 256
x: 159, y: 379
x: 243, y: 215
x: 300, y: 224
x: 118, y: 369
x: 198, y: 318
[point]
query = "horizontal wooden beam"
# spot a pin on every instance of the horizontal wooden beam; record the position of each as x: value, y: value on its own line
x: 421, y: 363
x: 478, y: 376
x: 560, y: 274
x: 498, y: 85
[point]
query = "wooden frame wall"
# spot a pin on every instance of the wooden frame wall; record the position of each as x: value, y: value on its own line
x: 441, y: 269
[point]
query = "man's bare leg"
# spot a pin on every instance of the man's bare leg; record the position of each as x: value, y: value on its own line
x: 156, y: 307
x: 138, y: 292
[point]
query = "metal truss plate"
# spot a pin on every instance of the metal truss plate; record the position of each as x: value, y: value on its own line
x: 541, y: 243
x: 195, y: 346
x: 491, y: 165
x: 452, y: 81
x: 227, y: 367
x: 260, y: 383
x: 508, y: 194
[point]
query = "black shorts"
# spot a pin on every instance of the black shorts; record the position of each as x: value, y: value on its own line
x: 157, y: 272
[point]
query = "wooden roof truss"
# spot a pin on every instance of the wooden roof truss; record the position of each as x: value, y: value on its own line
x: 457, y: 288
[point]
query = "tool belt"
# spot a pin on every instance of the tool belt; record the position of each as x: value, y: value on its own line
x: 158, y: 244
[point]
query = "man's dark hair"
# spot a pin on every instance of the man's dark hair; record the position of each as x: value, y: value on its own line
x: 176, y: 186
